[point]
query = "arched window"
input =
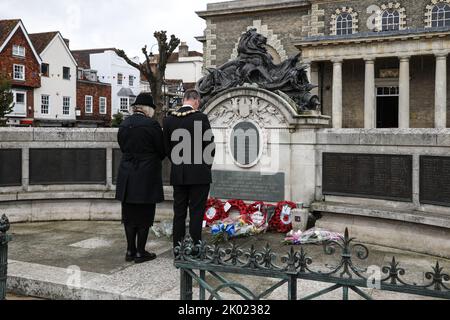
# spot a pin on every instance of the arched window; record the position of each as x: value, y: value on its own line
x: 440, y: 15
x: 344, y: 24
x: 390, y: 20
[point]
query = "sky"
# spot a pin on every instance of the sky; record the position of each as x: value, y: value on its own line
x: 122, y: 24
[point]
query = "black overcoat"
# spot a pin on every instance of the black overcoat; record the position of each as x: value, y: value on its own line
x: 191, y: 172
x: 139, y: 180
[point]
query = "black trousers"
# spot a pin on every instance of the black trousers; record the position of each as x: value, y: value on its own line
x: 194, y: 198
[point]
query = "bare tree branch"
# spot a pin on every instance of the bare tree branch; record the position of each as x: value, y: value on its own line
x: 155, y: 76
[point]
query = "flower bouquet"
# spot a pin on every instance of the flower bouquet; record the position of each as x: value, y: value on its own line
x: 313, y: 236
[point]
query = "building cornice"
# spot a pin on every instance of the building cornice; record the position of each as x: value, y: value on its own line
x: 367, y: 38
x: 255, y: 8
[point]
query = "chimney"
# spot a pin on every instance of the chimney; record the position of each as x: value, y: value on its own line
x: 67, y: 41
x: 183, y: 51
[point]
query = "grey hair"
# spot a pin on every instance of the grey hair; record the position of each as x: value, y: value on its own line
x: 192, y: 94
x: 145, y: 109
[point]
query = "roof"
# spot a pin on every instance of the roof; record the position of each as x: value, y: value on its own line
x: 83, y: 56
x: 250, y: 6
x: 126, y: 92
x: 42, y: 40
x: 174, y: 58
x: 6, y: 27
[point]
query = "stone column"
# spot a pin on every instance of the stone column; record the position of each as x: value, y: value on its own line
x: 25, y: 168
x: 314, y: 77
x: 441, y: 92
x: 337, y: 93
x: 312, y: 71
x: 404, y: 99
x: 369, y: 95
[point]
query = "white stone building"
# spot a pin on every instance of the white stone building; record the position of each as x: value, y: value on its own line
x: 56, y: 98
x: 112, y: 69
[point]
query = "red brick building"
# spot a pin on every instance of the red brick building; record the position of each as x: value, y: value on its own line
x: 93, y: 103
x: 20, y: 63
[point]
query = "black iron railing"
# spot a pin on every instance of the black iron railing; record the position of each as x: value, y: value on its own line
x: 196, y: 261
x: 4, y: 239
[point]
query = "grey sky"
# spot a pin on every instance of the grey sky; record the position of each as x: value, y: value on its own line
x: 125, y: 24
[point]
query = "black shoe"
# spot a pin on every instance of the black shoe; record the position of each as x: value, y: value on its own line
x: 130, y: 257
x: 147, y: 256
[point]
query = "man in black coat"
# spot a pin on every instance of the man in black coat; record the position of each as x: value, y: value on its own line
x: 139, y: 181
x: 189, y: 144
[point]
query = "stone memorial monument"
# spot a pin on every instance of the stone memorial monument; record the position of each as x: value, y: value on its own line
x: 259, y: 111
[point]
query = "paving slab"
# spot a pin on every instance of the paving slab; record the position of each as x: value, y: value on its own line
x: 85, y: 261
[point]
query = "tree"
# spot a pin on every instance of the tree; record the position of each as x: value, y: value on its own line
x: 117, y: 120
x: 155, y: 73
x: 6, y: 100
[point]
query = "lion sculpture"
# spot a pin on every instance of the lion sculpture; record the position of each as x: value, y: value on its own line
x: 254, y: 65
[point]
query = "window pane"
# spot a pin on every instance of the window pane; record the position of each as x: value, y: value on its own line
x: 20, y: 98
x: 66, y: 73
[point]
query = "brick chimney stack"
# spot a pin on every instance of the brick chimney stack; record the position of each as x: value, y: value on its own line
x: 183, y: 50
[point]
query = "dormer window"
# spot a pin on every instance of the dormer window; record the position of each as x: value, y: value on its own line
x: 344, y: 22
x: 19, y: 51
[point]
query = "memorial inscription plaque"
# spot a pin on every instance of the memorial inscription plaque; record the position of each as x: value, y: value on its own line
x: 117, y: 157
x: 368, y: 175
x: 67, y: 166
x: 10, y: 167
x: 435, y: 180
x: 251, y: 186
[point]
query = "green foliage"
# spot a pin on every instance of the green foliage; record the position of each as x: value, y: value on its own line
x: 117, y: 120
x: 6, y: 98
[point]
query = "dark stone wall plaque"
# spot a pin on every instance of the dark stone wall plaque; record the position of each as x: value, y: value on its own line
x: 117, y: 157
x: 10, y: 167
x: 435, y: 180
x: 67, y: 166
x: 368, y: 175
x: 251, y: 186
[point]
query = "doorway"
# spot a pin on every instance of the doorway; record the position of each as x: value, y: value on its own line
x: 387, y: 107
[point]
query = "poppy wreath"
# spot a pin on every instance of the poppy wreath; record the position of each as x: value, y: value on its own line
x: 280, y: 222
x: 214, y: 211
x: 238, y: 205
x: 252, y: 209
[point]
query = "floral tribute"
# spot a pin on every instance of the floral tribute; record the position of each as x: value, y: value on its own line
x: 282, y: 220
x: 242, y: 221
x: 214, y: 212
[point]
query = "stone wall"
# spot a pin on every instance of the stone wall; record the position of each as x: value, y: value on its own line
x: 415, y: 12
x: 353, y: 89
x: 423, y: 71
x: 32, y: 203
x: 224, y: 32
x: 300, y: 155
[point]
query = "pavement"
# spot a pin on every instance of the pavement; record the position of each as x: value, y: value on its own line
x: 85, y: 261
